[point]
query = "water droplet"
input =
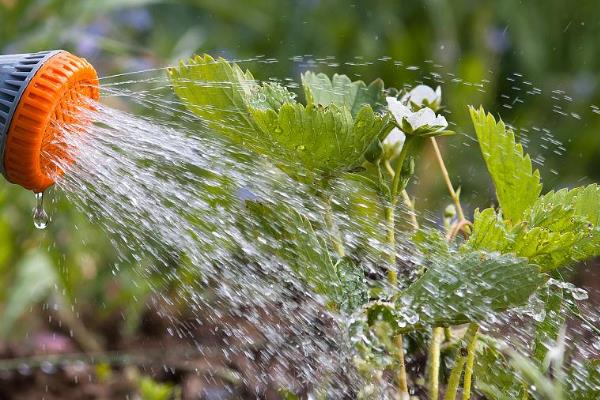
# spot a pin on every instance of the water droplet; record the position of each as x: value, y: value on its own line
x: 40, y: 217
x: 579, y: 294
x: 47, y: 367
x: 24, y: 369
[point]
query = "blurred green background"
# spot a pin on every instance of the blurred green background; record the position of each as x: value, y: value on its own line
x: 511, y: 47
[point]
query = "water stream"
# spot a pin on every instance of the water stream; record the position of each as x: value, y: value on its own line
x: 188, y: 207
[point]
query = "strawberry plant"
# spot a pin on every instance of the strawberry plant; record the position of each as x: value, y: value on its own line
x: 400, y: 282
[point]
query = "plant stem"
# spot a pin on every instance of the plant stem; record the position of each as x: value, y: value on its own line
x: 434, y: 363
x: 391, y: 241
x: 406, y: 148
x: 411, y: 207
x: 402, y: 378
x: 392, y: 274
x: 389, y: 211
x: 454, y: 380
x: 447, y: 334
x: 334, y: 232
x: 446, y: 176
x: 471, y: 334
x: 469, y: 365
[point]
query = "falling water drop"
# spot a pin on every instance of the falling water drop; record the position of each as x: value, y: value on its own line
x: 40, y: 217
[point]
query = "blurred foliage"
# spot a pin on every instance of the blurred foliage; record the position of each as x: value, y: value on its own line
x: 553, y: 43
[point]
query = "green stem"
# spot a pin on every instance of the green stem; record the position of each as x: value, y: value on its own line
x: 334, y: 232
x: 454, y: 380
x: 391, y: 241
x: 469, y: 365
x: 434, y: 363
x: 389, y: 211
x: 446, y: 176
x: 402, y: 377
x: 406, y: 148
x: 447, y: 334
x: 392, y: 274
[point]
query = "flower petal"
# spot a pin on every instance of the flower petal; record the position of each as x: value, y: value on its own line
x: 399, y: 110
x: 395, y: 137
x: 423, y: 93
x: 423, y: 117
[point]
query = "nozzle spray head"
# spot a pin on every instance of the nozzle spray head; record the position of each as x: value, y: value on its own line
x: 39, y: 92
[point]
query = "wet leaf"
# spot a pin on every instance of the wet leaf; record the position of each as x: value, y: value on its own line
x: 217, y: 92
x: 494, y: 376
x: 466, y: 287
x: 326, y: 140
x: 560, y: 228
x: 340, y: 91
x: 547, y: 330
x: 517, y: 185
x: 583, y: 380
x: 302, y: 140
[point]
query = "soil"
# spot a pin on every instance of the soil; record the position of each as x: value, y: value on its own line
x: 209, y: 365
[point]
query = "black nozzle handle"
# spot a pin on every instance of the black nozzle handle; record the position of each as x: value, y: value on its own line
x: 16, y: 71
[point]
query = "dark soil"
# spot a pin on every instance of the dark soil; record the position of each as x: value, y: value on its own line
x: 208, y: 365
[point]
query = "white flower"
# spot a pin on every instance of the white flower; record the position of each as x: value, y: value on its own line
x: 393, y: 142
x: 422, y: 122
x: 423, y: 96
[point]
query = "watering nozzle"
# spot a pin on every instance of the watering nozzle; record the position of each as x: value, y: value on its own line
x: 38, y: 93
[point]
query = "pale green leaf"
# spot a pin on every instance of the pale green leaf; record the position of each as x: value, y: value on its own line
x: 490, y: 233
x: 302, y: 141
x: 517, y: 185
x: 218, y: 92
x: 34, y: 280
x: 270, y: 95
x: 560, y: 228
x: 340, y: 91
x: 288, y: 234
x: 327, y: 140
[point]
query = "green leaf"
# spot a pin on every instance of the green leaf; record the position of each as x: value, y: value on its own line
x: 490, y: 232
x: 353, y: 285
x: 324, y: 140
x: 495, y: 378
x: 340, y: 91
x: 466, y: 287
x: 341, y: 281
x: 583, y: 380
x: 271, y: 95
x: 290, y: 235
x: 547, y: 330
x: 517, y: 185
x: 218, y: 92
x: 35, y: 278
x: 302, y: 141
x: 313, y: 261
x: 560, y: 228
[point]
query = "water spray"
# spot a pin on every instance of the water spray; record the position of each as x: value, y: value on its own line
x: 39, y: 92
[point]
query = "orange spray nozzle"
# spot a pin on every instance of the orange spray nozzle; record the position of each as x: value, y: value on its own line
x: 38, y: 93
